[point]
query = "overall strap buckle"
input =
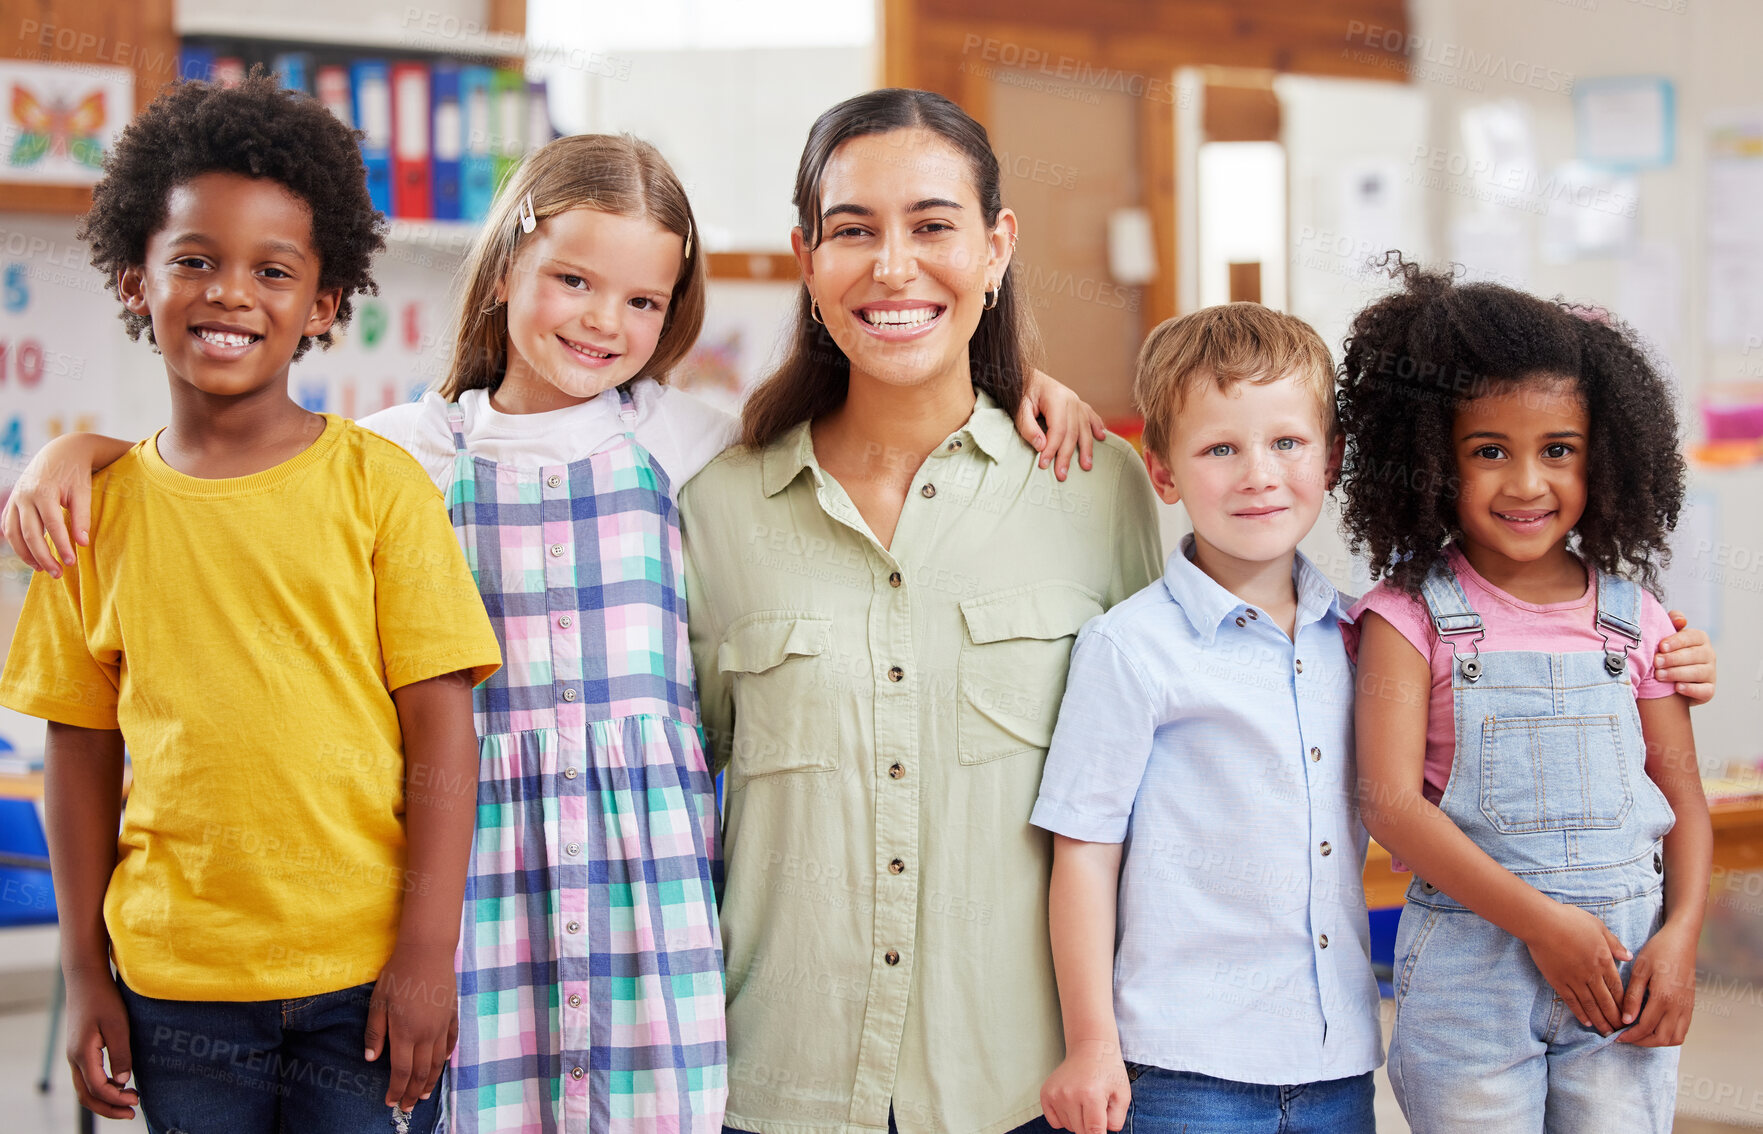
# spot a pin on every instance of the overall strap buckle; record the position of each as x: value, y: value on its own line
x: 1619, y: 611
x: 1454, y: 618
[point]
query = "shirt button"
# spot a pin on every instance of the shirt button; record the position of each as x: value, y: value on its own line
x: 566, y: 622
x: 1252, y: 613
x: 553, y: 480
x: 1658, y: 863
x: 1241, y: 621
x: 928, y: 491
x: 1300, y: 665
x: 574, y: 849
x: 576, y: 1072
x: 569, y: 694
x: 556, y: 550
x: 896, y: 867
x: 1326, y: 850
x: 954, y: 444
x: 569, y: 773
x: 574, y: 927
x: 892, y: 956
x: 894, y: 579
x: 895, y: 673
x: 1323, y: 940
x: 575, y: 1001
x: 896, y: 770
x: 1315, y: 755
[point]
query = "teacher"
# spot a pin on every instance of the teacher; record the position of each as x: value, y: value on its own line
x: 885, y: 588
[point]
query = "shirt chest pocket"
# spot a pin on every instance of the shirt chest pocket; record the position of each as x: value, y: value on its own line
x: 786, y: 718
x: 1011, y: 672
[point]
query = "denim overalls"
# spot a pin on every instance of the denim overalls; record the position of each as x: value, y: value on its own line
x: 1549, y: 779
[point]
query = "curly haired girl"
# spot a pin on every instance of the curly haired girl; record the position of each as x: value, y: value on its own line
x: 1512, y: 471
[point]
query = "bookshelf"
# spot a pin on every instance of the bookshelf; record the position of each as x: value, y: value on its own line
x: 148, y: 37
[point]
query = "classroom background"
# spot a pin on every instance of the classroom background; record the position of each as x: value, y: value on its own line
x: 1161, y: 155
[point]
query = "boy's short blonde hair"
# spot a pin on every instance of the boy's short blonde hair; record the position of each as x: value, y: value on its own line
x: 1227, y: 344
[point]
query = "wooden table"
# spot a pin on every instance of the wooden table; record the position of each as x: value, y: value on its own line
x: 1738, y: 845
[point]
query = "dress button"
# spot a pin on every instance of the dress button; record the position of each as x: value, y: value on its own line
x: 553, y: 480
x: 896, y: 770
x: 569, y: 694
x: 1241, y: 621
x: 569, y: 773
x: 895, y: 673
x: 892, y: 956
x: 574, y: 927
x: 1300, y: 665
x: 574, y: 849
x: 1323, y: 940
x: 556, y: 550
x: 575, y: 1001
x: 1315, y: 755
x: 928, y: 491
x: 896, y: 867
x: 1326, y: 849
x: 894, y: 579
x: 576, y: 1072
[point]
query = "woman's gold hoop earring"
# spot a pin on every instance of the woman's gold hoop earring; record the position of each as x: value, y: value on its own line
x: 814, y: 310
x: 992, y: 296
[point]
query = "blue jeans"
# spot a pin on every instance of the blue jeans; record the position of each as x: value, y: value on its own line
x: 1032, y: 1126
x: 241, y: 1067
x: 1180, y: 1102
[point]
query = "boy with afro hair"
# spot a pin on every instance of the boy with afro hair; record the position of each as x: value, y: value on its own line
x: 275, y: 617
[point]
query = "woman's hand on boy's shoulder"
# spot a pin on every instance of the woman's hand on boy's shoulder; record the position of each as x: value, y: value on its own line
x: 1089, y: 1092
x: 1687, y: 660
x: 1072, y: 425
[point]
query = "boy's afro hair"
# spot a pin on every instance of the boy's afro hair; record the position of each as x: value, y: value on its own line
x: 1414, y: 356
x: 256, y: 129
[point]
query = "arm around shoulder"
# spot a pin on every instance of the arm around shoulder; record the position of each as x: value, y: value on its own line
x: 58, y: 477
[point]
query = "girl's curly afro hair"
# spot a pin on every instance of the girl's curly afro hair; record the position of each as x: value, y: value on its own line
x: 255, y: 129
x: 1414, y: 356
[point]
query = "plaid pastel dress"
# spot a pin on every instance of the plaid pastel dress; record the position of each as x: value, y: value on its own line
x: 590, y: 962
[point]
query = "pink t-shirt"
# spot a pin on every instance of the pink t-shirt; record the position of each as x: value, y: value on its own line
x: 1556, y: 627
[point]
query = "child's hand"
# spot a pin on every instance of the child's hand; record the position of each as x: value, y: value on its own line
x: 1071, y: 423
x: 1089, y: 1091
x: 414, y: 1016
x: 59, y: 476
x: 1577, y: 955
x: 1687, y: 659
x: 1664, y: 974
x: 97, y: 1022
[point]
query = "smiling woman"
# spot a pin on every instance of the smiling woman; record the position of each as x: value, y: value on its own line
x: 885, y: 590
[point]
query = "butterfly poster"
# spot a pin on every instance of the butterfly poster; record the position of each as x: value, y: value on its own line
x: 58, y: 120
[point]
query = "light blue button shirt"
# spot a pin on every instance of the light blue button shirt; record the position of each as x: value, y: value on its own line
x: 1221, y: 753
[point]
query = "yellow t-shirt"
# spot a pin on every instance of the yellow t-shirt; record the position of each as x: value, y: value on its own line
x: 245, y: 635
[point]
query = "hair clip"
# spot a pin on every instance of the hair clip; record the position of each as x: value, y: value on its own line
x: 688, y: 238
x: 528, y: 219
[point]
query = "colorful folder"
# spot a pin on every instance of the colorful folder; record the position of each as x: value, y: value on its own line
x: 371, y: 83
x: 411, y: 195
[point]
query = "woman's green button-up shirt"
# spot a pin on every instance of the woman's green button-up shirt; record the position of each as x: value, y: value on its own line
x: 883, y: 715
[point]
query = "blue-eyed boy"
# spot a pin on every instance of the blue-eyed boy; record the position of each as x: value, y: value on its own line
x: 1208, y: 914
